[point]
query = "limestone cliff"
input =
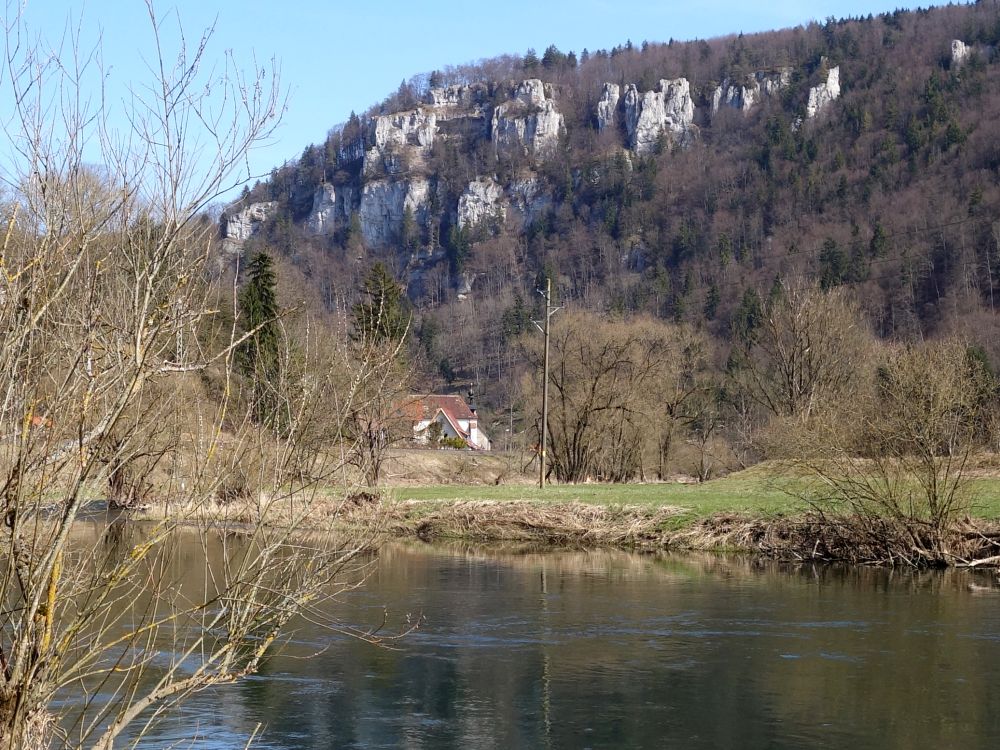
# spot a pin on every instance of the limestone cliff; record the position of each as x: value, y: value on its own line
x: 384, y: 203
x: 745, y: 95
x: 528, y: 122
x: 824, y: 93
x: 483, y: 201
x: 332, y: 207
x: 607, y: 106
x: 398, y: 142
x: 240, y: 222
x: 668, y: 111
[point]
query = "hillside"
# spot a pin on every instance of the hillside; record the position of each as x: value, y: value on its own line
x: 664, y: 179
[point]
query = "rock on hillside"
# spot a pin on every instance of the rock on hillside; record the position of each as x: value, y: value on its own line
x: 650, y: 115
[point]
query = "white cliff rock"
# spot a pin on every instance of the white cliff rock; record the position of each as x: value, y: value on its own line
x: 669, y: 110
x: 607, y: 106
x: 330, y: 205
x: 960, y: 52
x: 482, y: 201
x: 742, y: 97
x: 383, y: 205
x: 751, y: 92
x: 529, y: 123
x: 239, y: 225
x: 449, y: 96
x: 394, y: 139
x: 823, y: 94
x: 529, y: 199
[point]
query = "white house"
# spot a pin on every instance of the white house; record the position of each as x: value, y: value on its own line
x: 455, y: 417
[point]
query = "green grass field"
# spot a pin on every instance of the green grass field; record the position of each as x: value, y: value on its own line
x: 754, y: 492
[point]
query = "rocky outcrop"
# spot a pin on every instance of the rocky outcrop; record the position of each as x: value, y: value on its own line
x: 384, y: 203
x: 529, y: 199
x: 746, y: 95
x: 960, y: 52
x: 824, y: 93
x: 330, y: 207
x: 607, y: 106
x: 395, y: 141
x: 241, y: 223
x: 528, y: 123
x: 457, y: 97
x: 669, y: 111
x: 482, y: 201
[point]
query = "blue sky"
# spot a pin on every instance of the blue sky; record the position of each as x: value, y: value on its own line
x: 336, y: 57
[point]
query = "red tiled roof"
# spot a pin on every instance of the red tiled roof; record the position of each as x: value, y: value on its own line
x: 454, y: 425
x: 417, y: 407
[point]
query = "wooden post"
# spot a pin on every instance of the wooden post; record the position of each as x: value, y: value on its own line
x: 545, y: 386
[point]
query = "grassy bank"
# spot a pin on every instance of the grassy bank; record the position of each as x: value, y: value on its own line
x: 750, y: 492
x: 757, y: 510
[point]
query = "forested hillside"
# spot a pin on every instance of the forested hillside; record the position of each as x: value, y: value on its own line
x: 678, y: 180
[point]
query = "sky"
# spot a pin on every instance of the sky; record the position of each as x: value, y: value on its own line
x: 336, y: 57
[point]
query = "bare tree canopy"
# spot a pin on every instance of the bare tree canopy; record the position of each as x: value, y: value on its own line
x: 114, y: 363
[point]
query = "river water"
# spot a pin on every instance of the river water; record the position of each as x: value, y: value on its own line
x: 609, y: 649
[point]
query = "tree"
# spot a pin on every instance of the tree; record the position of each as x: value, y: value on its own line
x: 892, y: 460
x: 607, y: 383
x: 259, y: 356
x: 110, y: 306
x: 381, y: 322
x: 381, y: 317
x: 802, y: 350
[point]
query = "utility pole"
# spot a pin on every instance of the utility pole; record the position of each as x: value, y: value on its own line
x: 549, y: 312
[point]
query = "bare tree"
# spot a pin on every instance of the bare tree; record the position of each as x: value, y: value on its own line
x: 799, y: 350
x: 110, y: 326
x: 610, y: 383
x: 891, y: 461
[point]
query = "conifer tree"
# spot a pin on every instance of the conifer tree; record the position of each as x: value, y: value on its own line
x: 259, y: 355
x: 381, y: 316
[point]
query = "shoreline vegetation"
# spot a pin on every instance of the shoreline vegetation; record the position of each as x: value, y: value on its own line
x: 764, y: 511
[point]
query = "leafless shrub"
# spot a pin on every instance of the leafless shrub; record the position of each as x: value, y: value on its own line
x: 109, y: 313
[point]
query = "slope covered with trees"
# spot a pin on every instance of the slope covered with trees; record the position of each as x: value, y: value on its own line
x: 489, y: 184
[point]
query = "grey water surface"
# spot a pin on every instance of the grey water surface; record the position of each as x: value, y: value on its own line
x: 613, y: 650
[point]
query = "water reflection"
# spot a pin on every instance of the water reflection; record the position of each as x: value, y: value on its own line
x: 607, y: 649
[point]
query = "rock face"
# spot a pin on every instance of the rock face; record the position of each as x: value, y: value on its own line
x: 393, y: 141
x: 384, y: 204
x: 529, y: 199
x: 744, y: 96
x: 667, y: 111
x: 823, y: 94
x: 528, y: 123
x: 239, y: 225
x: 607, y: 106
x: 960, y: 52
x: 330, y: 206
x: 482, y: 201
x: 456, y: 97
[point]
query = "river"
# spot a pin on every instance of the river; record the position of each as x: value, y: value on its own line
x: 599, y: 649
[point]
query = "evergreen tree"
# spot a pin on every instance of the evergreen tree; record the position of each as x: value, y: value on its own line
x: 748, y: 318
x: 381, y: 316
x: 258, y: 357
x: 712, y: 300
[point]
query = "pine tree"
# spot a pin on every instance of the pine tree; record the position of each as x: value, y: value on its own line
x: 258, y: 357
x: 382, y: 315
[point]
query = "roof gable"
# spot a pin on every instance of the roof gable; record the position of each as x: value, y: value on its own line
x: 418, y: 407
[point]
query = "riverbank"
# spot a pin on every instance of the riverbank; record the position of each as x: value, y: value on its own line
x: 754, y: 511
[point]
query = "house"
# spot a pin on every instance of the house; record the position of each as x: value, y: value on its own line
x: 452, y: 415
